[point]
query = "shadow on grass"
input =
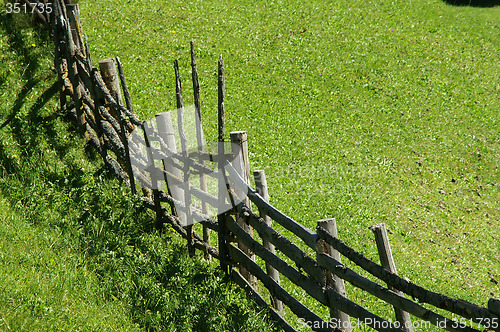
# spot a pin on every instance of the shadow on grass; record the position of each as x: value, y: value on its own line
x: 38, y: 125
x: 474, y: 3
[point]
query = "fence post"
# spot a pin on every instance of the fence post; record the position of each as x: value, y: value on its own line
x: 239, y: 147
x: 110, y: 77
x: 261, y: 187
x: 123, y: 129
x: 153, y: 175
x: 73, y: 75
x: 73, y: 12
x: 330, y: 280
x: 201, y: 142
x: 126, y: 93
x: 387, y: 261
x: 60, y: 62
x: 221, y: 214
x: 185, y: 156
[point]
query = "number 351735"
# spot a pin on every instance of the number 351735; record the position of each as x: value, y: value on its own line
x: 16, y: 8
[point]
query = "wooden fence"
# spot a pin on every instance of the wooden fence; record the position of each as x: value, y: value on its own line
x: 103, y: 111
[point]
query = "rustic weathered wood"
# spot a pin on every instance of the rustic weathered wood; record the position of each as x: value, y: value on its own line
x: 222, y: 189
x: 73, y: 12
x: 101, y: 87
x: 110, y: 163
x: 123, y: 82
x: 457, y: 306
x: 87, y: 64
x: 73, y: 72
x: 58, y: 54
x: 79, y: 29
x: 324, y: 296
x: 128, y: 164
x: 89, y: 117
x: 126, y: 93
x: 199, y: 137
x: 295, y: 306
x: 63, y: 7
x: 196, y: 87
x: 361, y: 313
x: 261, y: 187
x: 120, y: 121
x: 332, y: 280
x: 387, y: 261
x: 239, y: 145
x: 109, y: 119
x: 89, y: 95
x: 184, y: 152
x: 385, y: 294
x: 110, y: 77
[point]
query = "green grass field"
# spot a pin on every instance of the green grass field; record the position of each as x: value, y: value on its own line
x: 369, y: 112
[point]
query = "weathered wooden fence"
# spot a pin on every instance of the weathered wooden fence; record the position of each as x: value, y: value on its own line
x: 149, y: 153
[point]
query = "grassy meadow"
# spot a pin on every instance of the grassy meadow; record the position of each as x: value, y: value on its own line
x: 369, y: 112
x: 366, y: 111
x: 77, y: 251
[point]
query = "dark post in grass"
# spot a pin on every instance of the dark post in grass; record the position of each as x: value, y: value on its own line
x: 184, y: 147
x: 200, y: 140
x: 340, y: 319
x: 221, y: 215
x: 92, y: 89
x: 60, y: 63
x: 123, y: 124
x: 126, y: 93
x: 73, y: 72
x: 261, y: 187
x: 387, y: 261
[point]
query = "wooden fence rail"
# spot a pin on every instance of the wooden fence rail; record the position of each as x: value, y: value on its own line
x: 173, y: 182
